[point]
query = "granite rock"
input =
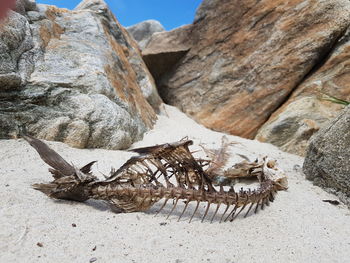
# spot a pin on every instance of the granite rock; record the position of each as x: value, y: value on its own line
x: 143, y: 31
x: 82, y: 87
x: 16, y: 43
x: 23, y: 6
x: 332, y: 77
x: 247, y: 57
x: 143, y: 76
x: 327, y: 159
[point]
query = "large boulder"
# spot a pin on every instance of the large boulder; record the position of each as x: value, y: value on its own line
x: 327, y: 159
x: 74, y: 76
x: 247, y: 57
x: 304, y: 113
x: 143, y: 31
x: 143, y: 77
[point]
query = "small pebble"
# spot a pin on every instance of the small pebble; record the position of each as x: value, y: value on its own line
x: 39, y: 244
x: 93, y: 260
x: 74, y: 225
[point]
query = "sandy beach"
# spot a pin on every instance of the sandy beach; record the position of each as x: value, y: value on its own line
x: 297, y: 227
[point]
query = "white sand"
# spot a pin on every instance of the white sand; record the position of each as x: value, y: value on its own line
x: 297, y: 227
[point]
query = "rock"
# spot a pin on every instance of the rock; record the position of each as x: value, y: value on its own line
x: 165, y: 49
x: 29, y: 5
x: 327, y: 159
x: 142, y: 32
x: 248, y: 56
x: 143, y: 76
x: 22, y: 6
x: 291, y: 127
x: 84, y: 90
x: 34, y: 16
x: 205, y: 7
x: 286, y: 127
x: 16, y: 43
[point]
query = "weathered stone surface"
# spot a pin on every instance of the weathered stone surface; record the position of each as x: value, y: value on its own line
x: 286, y: 128
x: 248, y: 56
x: 165, y: 49
x: 142, y: 32
x: 203, y: 10
x: 143, y: 76
x: 293, y: 127
x: 15, y: 56
x: 327, y: 159
x: 84, y: 90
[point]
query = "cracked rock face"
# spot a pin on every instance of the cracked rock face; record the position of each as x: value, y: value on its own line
x: 327, y: 159
x: 74, y: 76
x: 247, y: 57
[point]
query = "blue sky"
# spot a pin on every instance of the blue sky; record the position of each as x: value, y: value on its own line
x: 171, y: 13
